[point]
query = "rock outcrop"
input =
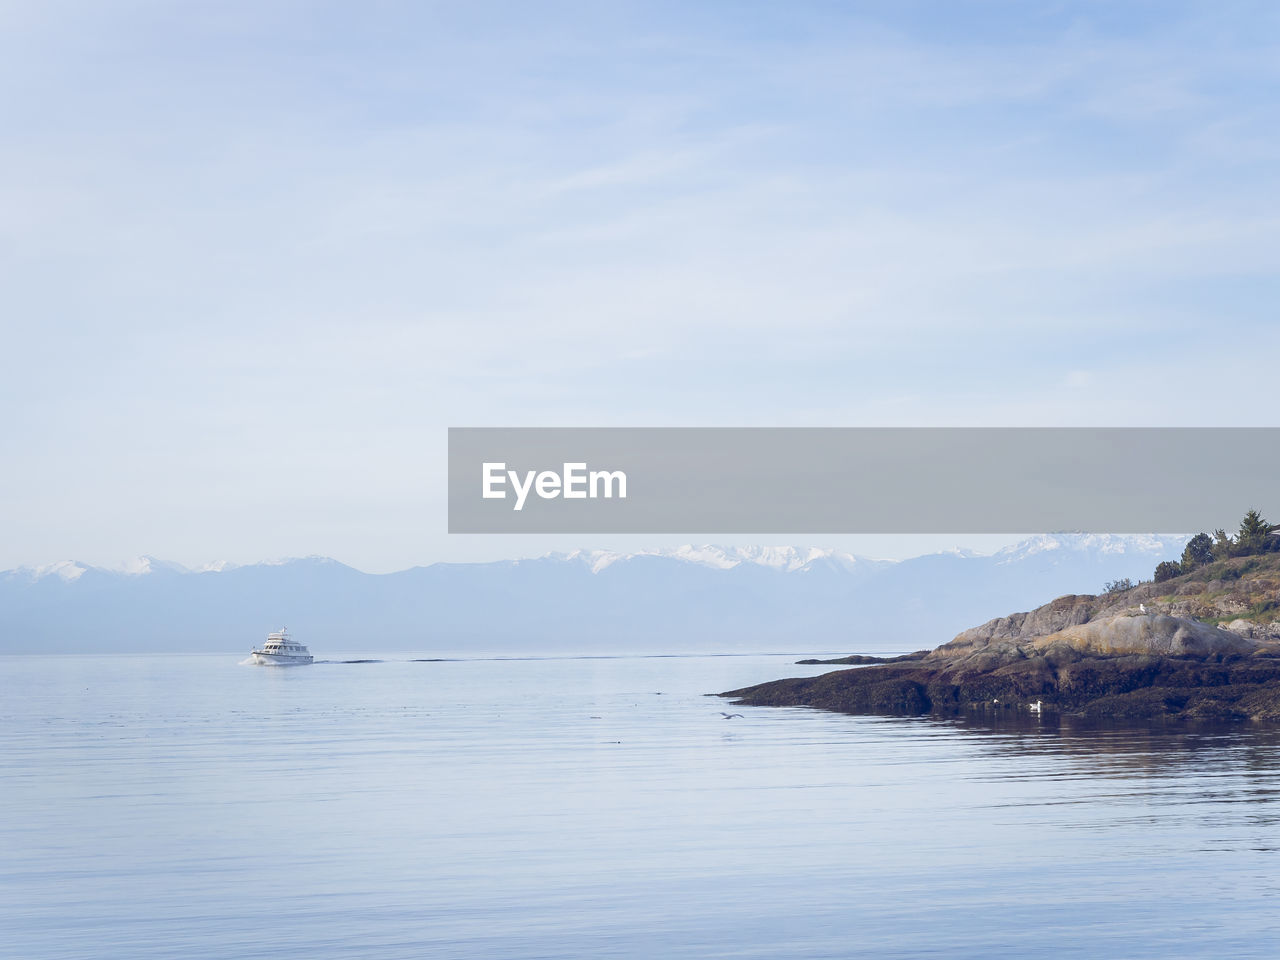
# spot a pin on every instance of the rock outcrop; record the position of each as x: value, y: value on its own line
x: 1147, y: 634
x: 1130, y: 655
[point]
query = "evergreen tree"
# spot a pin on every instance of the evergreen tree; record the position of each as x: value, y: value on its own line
x: 1222, y: 545
x: 1198, y: 552
x: 1253, y: 536
x: 1167, y: 571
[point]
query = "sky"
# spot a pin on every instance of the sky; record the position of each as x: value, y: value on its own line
x: 256, y: 258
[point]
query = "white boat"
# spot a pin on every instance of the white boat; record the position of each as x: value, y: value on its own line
x: 281, y: 650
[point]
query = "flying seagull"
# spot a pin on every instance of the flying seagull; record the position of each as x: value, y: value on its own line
x: 730, y: 716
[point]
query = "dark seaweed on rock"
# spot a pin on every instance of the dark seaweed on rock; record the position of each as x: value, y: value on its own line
x: 861, y: 658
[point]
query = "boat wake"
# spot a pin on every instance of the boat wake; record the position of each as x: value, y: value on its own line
x: 251, y: 661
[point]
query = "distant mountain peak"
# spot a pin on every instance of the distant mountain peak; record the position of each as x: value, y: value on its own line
x: 311, y: 559
x: 63, y: 569
x: 217, y: 566
x: 964, y: 553
x: 1100, y: 544
x: 141, y: 566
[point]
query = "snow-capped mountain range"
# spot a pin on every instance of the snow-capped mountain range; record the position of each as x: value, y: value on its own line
x: 686, y: 599
x: 136, y: 567
x: 786, y: 559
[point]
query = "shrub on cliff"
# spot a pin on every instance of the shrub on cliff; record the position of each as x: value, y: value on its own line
x: 1167, y: 571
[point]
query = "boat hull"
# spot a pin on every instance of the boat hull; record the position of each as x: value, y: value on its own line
x: 279, y: 660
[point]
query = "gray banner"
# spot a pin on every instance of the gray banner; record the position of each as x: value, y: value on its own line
x: 858, y: 480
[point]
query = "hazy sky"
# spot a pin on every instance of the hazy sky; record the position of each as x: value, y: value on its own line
x: 255, y: 258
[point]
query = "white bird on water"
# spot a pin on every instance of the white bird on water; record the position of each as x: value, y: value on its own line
x: 1034, y: 707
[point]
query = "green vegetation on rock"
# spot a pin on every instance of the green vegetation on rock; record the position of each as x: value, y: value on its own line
x: 1255, y: 536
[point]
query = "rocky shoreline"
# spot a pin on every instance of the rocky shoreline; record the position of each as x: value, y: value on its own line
x: 1133, y: 655
x: 863, y: 658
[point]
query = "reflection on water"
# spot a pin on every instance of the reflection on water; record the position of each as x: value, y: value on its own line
x: 604, y: 808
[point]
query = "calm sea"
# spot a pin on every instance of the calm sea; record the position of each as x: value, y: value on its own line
x: 194, y: 807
